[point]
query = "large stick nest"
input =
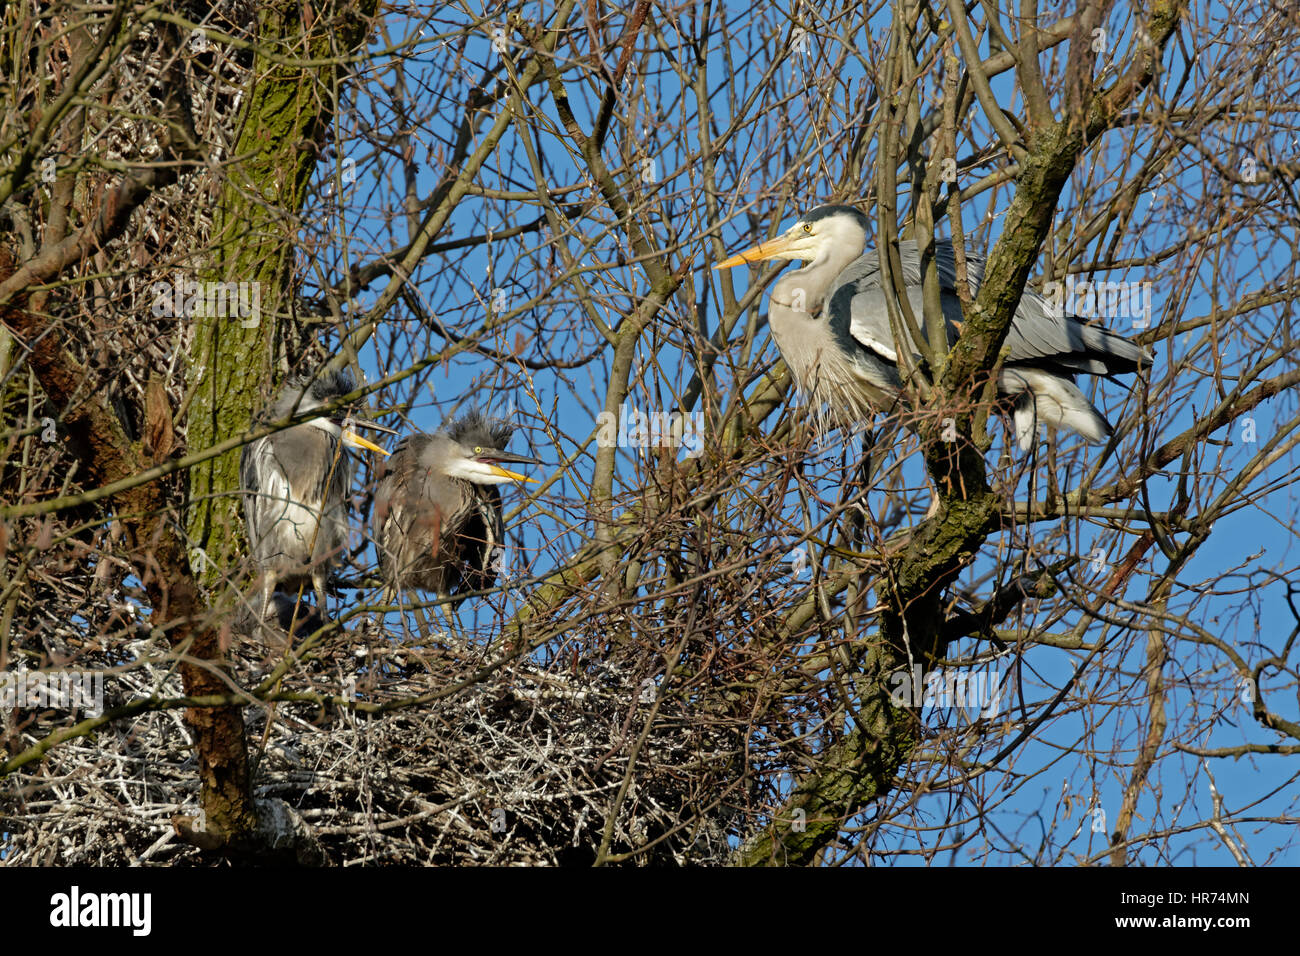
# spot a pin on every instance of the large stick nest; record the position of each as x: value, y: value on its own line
x: 522, y: 766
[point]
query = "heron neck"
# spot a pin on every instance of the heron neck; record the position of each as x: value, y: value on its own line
x: 811, y: 283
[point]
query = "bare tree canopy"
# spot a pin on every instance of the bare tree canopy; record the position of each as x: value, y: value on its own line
x: 737, y: 619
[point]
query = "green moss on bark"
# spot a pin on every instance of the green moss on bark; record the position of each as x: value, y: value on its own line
x: 286, y: 117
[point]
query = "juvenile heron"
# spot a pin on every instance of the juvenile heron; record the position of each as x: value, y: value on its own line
x: 831, y: 323
x: 437, y: 515
x: 296, y: 484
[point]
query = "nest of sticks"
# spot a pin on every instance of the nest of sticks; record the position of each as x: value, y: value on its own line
x: 459, y: 762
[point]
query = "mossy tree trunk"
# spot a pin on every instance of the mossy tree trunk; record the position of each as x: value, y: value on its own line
x: 283, y: 128
x: 862, y: 767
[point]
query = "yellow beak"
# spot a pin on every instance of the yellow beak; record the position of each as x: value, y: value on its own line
x: 501, y: 472
x: 778, y: 248
x: 352, y: 438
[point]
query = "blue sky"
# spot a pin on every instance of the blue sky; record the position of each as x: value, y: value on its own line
x: 1077, y: 762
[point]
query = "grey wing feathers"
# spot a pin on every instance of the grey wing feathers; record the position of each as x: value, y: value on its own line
x: 1068, y: 344
x: 248, y: 482
x: 249, y: 473
x: 865, y: 271
x: 864, y: 314
x: 1038, y: 335
x: 487, y: 536
x: 407, y: 444
x: 389, y: 516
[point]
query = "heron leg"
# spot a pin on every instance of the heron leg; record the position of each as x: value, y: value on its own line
x: 868, y: 464
x: 426, y: 631
x: 394, y: 596
x: 459, y: 634
x: 319, y: 577
x: 259, y: 605
x: 452, y: 617
x: 853, y: 495
x: 874, y: 460
x: 268, y: 591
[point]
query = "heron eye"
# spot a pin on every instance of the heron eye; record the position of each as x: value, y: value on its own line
x: 807, y: 229
x: 478, y: 450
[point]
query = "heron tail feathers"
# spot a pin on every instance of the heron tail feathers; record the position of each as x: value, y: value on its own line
x: 1046, y: 399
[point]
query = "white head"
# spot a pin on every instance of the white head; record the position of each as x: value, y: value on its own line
x: 479, y: 465
x: 827, y: 232
x: 473, y: 448
x: 315, y: 391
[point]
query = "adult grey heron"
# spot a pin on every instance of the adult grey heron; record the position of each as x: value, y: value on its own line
x: 438, y: 517
x: 830, y: 321
x: 296, y: 484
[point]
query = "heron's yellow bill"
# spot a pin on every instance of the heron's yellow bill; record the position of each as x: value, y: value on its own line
x: 503, y: 473
x: 352, y: 438
x: 772, y: 249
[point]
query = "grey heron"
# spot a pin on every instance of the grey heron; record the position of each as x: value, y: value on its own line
x: 296, y: 484
x: 438, y: 517
x: 831, y: 324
